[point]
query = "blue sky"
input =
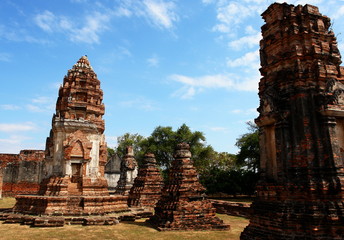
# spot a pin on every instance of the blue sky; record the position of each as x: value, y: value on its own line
x: 160, y: 62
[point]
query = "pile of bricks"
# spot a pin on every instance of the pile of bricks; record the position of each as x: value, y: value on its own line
x: 182, y: 205
x: 148, y: 184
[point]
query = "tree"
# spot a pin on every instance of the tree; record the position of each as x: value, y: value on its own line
x: 134, y: 140
x: 248, y: 144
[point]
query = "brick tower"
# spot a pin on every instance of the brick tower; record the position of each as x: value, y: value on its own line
x: 76, y: 152
x: 148, y: 184
x: 182, y: 205
x: 300, y: 194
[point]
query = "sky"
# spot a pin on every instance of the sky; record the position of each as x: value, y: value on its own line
x: 160, y: 63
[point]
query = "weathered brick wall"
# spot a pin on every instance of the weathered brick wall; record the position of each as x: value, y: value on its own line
x: 21, y: 172
x: 232, y: 208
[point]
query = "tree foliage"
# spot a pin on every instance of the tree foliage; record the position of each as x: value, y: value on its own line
x: 248, y: 144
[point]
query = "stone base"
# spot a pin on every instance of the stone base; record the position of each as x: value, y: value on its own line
x: 291, y: 219
x: 131, y: 214
x: 66, y: 186
x: 59, y: 221
x: 69, y: 205
x: 187, y: 215
x: 232, y: 208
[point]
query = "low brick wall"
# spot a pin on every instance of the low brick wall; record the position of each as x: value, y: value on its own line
x: 232, y: 208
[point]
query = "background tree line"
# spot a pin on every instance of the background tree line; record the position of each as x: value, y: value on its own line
x: 218, y: 171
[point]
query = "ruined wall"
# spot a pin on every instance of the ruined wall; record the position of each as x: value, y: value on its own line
x: 21, y: 172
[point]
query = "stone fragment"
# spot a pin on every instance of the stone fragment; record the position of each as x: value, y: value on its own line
x: 128, y: 172
x: 300, y: 192
x: 182, y: 205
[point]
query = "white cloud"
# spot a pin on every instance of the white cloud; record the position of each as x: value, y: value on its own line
x: 41, y: 104
x: 339, y: 13
x: 42, y: 100
x: 249, y: 41
x: 45, y: 20
x: 13, y: 127
x: 218, y: 129
x: 88, y: 31
x: 250, y: 59
x: 153, y: 61
x: 139, y: 103
x: 193, y: 85
x: 9, y: 107
x: 251, y: 111
x: 161, y: 13
x: 14, y: 143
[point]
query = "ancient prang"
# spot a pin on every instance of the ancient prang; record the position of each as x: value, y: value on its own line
x: 128, y: 172
x: 148, y: 184
x: 76, y: 153
x: 182, y: 205
x: 300, y: 194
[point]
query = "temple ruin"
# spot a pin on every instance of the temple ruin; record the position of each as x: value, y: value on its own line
x: 182, y: 205
x: 148, y: 184
x: 76, y: 153
x: 128, y: 172
x: 21, y: 172
x: 300, y: 194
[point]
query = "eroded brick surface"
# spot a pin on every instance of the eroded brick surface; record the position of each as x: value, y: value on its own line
x: 182, y: 205
x: 21, y: 172
x: 73, y: 171
x: 148, y: 184
x: 300, y: 193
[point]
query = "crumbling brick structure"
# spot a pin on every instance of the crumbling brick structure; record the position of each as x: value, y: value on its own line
x: 21, y: 172
x: 128, y: 172
x: 76, y: 153
x: 182, y: 205
x: 148, y: 184
x: 301, y: 191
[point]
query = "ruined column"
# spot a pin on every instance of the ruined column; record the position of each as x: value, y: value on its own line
x: 148, y: 184
x: 128, y: 172
x: 300, y: 192
x: 182, y: 205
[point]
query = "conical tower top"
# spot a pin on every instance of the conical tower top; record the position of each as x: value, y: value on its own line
x: 83, y: 62
x: 80, y: 96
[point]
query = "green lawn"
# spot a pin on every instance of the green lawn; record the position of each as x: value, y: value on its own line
x: 138, y: 230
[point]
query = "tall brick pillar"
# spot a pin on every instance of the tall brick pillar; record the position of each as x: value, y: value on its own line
x: 300, y: 194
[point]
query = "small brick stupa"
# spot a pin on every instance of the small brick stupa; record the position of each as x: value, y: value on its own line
x: 300, y: 194
x: 76, y: 153
x: 182, y: 205
x: 148, y: 184
x: 128, y: 172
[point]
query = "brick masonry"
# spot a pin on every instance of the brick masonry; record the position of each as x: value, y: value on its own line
x: 148, y: 184
x: 21, y: 172
x: 300, y: 194
x: 182, y: 205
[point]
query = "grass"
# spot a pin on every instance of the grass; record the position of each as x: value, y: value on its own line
x: 138, y: 230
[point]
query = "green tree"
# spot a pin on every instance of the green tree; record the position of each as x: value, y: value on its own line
x: 134, y: 140
x: 164, y: 140
x: 248, y: 144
